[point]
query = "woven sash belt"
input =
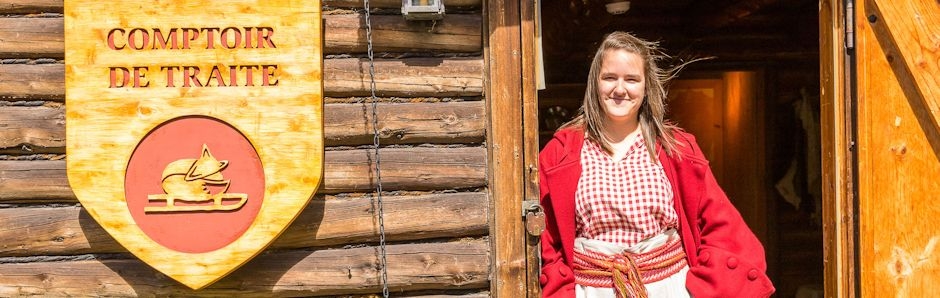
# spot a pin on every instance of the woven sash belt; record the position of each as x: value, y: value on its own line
x: 627, y: 273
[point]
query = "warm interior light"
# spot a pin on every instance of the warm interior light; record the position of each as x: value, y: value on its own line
x: 618, y: 7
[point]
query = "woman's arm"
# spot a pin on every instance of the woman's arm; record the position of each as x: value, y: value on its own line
x: 556, y: 278
x: 730, y: 260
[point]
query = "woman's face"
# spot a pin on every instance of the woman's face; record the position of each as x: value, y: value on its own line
x: 621, y: 86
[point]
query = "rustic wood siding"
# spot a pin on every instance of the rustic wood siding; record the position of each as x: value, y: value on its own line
x: 431, y: 117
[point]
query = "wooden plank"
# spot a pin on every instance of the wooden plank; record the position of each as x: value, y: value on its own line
x: 40, y: 6
x: 343, y: 33
x: 530, y: 135
x: 26, y: 81
x: 30, y: 6
x: 505, y: 146
x: 42, y: 126
x: 912, y: 45
x: 838, y: 207
x: 32, y: 38
x: 898, y: 154
x: 409, y: 123
x: 25, y: 181
x: 345, y: 171
x: 397, y: 4
x: 344, y: 124
x: 324, y: 222
x: 392, y: 33
x: 407, y: 77
x: 411, y: 267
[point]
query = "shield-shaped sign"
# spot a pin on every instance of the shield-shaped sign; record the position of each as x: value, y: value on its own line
x: 194, y: 128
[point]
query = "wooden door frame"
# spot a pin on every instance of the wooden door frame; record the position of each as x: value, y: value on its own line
x: 512, y: 143
x: 837, y: 138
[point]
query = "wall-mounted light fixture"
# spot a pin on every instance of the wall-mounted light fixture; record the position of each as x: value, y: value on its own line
x: 422, y: 9
x: 618, y: 7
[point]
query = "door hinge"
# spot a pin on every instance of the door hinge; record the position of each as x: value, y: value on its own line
x: 849, y: 25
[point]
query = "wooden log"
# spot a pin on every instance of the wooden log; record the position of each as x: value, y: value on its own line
x: 411, y: 267
x: 408, y: 123
x: 22, y: 81
x: 42, y: 126
x: 344, y: 124
x: 345, y: 171
x: 343, y: 33
x: 325, y: 222
x: 397, y: 4
x: 32, y: 38
x: 392, y: 33
x: 30, y: 6
x: 24, y: 181
x: 408, y: 77
x: 40, y: 6
x: 406, y: 169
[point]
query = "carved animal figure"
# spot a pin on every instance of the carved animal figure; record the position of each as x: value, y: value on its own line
x: 188, y: 179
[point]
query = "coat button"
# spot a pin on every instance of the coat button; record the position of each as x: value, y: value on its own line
x: 752, y: 275
x: 563, y: 273
x: 703, y: 258
x: 732, y: 263
x: 543, y: 279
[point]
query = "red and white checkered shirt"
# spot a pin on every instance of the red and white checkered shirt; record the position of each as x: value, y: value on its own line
x: 623, y: 201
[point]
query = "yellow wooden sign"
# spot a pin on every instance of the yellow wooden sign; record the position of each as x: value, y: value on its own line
x: 194, y: 128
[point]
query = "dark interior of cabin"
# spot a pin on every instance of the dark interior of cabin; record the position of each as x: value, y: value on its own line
x: 754, y: 107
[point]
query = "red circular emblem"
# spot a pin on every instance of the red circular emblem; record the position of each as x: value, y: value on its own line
x: 194, y: 184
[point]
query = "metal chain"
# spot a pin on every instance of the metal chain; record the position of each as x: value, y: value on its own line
x: 375, y: 143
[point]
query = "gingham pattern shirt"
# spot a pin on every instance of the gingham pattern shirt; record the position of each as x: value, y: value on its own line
x: 622, y: 201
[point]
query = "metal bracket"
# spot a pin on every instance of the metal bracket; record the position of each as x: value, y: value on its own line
x: 530, y: 205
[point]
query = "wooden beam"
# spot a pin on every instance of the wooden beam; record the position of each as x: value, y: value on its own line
x: 397, y: 4
x: 530, y: 137
x: 42, y: 126
x: 505, y: 145
x: 22, y: 81
x: 907, y: 33
x: 343, y: 124
x: 835, y: 126
x: 30, y: 6
x: 326, y: 221
x: 392, y: 33
x: 408, y: 77
x: 345, y: 171
x: 462, y: 264
x: 343, y: 33
x: 55, y: 6
x: 32, y: 38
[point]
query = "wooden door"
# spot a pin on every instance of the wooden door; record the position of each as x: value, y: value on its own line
x: 721, y: 110
x: 895, y: 154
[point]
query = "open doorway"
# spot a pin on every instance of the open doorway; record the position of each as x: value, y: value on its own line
x: 754, y: 107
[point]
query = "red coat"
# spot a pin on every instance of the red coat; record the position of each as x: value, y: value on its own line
x: 725, y: 258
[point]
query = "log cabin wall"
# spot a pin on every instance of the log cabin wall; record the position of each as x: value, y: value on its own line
x: 429, y: 79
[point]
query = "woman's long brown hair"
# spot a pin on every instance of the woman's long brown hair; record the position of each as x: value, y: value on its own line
x: 653, y: 124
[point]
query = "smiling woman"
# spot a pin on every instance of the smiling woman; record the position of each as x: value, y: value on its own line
x: 632, y: 209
